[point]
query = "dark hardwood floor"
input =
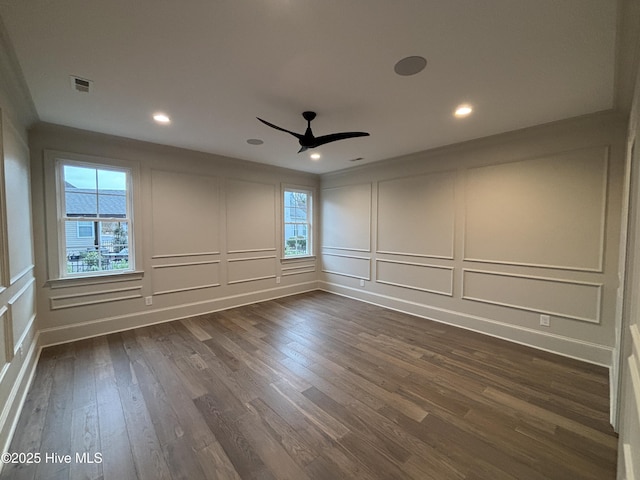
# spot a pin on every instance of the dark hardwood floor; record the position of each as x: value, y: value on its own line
x: 312, y: 386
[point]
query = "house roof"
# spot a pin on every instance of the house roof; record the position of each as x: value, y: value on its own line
x: 215, y: 66
x: 85, y: 203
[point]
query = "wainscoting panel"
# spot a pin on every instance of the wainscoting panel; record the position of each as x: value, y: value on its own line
x: 251, y: 214
x: 416, y: 276
x: 346, y: 217
x: 416, y: 215
x: 562, y: 298
x: 297, y: 268
x: 22, y: 311
x: 546, y: 212
x: 240, y: 270
x: 6, y: 345
x: 347, y: 265
x: 18, y: 205
x: 185, y: 214
x: 181, y: 277
x: 83, y: 299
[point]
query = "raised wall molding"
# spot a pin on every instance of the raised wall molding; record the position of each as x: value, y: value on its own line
x: 351, y: 266
x: 94, y: 297
x: 590, y: 293
x: 593, y: 255
x: 180, y: 255
x: 448, y: 279
x: 251, y: 269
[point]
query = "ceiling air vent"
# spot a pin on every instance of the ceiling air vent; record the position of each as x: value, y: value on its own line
x: 81, y: 85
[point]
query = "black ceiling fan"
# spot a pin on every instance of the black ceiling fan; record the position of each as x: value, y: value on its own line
x: 308, y: 140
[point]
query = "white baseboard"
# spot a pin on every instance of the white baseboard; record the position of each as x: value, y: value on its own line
x: 549, y: 342
x: 105, y: 326
x: 13, y: 406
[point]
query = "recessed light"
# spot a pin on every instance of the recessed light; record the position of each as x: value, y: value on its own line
x: 463, y: 110
x: 161, y: 118
x: 410, y: 65
x: 255, y: 141
x: 315, y: 156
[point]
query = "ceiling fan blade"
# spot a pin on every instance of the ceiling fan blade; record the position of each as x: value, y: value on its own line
x: 337, y: 136
x: 297, y: 135
x: 303, y: 149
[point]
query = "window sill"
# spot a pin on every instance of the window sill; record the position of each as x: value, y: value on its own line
x: 95, y: 279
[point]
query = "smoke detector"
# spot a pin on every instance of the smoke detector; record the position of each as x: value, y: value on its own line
x: 81, y: 85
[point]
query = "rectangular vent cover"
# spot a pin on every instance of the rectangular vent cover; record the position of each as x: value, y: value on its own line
x: 81, y: 85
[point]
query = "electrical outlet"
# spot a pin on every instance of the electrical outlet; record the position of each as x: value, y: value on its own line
x: 277, y: 279
x: 148, y: 300
x: 361, y: 283
x: 544, y: 320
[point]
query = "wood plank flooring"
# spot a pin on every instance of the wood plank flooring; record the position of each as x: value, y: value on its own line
x: 313, y: 386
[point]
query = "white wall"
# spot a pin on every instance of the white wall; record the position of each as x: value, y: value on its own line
x: 18, y: 338
x: 629, y: 424
x: 489, y: 234
x: 207, y: 236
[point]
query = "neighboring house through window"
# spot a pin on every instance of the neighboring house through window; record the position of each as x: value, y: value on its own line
x: 298, y: 215
x: 94, y: 205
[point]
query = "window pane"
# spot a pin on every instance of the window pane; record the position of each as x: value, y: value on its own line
x: 83, y: 178
x: 79, y: 203
x: 112, y: 205
x: 297, y: 213
x: 85, y: 230
x: 109, y: 180
x: 109, y: 251
x: 295, y: 206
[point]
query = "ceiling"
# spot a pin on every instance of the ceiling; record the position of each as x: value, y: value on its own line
x: 214, y: 65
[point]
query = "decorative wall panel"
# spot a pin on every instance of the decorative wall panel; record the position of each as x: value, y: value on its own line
x: 416, y: 276
x: 242, y: 270
x: 547, y: 212
x: 347, y: 265
x: 563, y: 298
x: 346, y: 217
x: 416, y: 215
x: 185, y: 214
x: 251, y: 216
x: 180, y: 277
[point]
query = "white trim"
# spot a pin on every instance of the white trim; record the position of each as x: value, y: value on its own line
x: 18, y: 395
x: 417, y: 255
x: 244, y: 259
x: 253, y: 250
x: 16, y: 278
x: 345, y: 256
x: 186, y: 264
x: 347, y: 249
x: 177, y: 255
x: 253, y: 279
x: 186, y: 289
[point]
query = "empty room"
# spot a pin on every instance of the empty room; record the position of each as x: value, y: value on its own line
x: 319, y: 240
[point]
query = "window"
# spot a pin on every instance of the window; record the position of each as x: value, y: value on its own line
x: 94, y: 205
x: 85, y: 229
x: 297, y: 222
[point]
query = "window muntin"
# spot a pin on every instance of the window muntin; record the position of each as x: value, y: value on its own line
x: 297, y: 214
x: 95, y: 220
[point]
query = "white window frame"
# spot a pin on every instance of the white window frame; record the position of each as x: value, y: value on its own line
x: 309, y: 223
x: 60, y: 162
